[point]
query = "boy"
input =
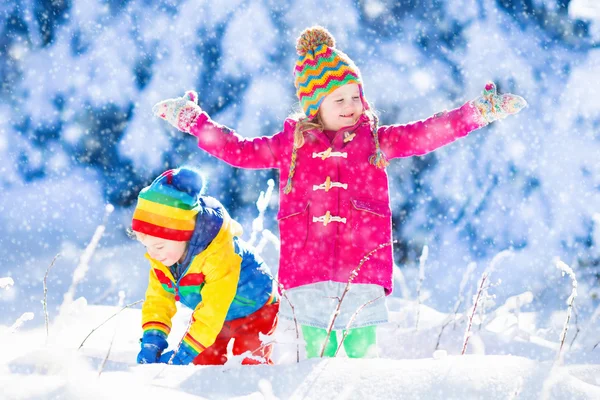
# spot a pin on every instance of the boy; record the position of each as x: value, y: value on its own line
x: 197, y: 258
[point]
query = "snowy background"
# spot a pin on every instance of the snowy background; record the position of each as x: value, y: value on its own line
x: 77, y: 82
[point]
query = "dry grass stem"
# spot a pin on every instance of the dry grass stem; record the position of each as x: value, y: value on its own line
x: 353, y: 275
x: 107, y: 353
x: 45, y: 301
x: 565, y: 269
x: 106, y: 320
x: 422, y: 261
x: 470, y: 323
x: 84, y: 261
x: 284, y: 295
x: 352, y: 320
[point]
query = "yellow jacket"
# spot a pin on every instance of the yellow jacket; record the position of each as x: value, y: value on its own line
x: 208, y: 285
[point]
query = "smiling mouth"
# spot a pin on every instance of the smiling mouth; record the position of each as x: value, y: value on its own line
x: 347, y: 115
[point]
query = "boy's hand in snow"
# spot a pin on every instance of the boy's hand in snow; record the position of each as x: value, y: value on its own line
x: 152, y: 346
x: 180, y: 112
x: 493, y: 106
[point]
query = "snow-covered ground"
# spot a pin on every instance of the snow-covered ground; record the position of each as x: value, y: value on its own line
x: 528, y: 184
x: 508, y: 357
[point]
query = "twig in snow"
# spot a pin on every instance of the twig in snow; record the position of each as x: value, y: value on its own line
x: 470, y: 323
x: 422, y: 261
x: 484, y: 296
x: 352, y: 320
x: 170, y: 360
x: 486, y: 300
x: 284, y: 295
x: 465, y: 278
x: 181, y: 340
x: 106, y: 320
x: 120, y: 304
x: 565, y: 269
x: 353, y: 275
x: 577, y: 330
x: 45, y: 302
x: 107, y: 353
x: 84, y: 261
x: 463, y: 283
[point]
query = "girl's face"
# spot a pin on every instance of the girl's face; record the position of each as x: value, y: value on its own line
x: 341, y: 108
x: 168, y: 252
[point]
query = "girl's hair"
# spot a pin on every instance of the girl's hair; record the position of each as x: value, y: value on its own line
x: 304, y: 124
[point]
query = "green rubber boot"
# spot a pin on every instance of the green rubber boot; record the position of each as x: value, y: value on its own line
x: 359, y: 341
x: 314, y: 338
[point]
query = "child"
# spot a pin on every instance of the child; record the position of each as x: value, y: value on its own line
x: 334, y: 202
x: 197, y: 258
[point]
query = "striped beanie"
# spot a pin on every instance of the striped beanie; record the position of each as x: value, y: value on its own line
x: 168, y: 207
x: 321, y: 69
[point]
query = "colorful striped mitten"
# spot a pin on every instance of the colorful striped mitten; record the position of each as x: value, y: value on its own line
x: 180, y: 112
x: 493, y: 106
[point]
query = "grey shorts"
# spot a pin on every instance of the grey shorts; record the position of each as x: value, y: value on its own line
x: 315, y: 304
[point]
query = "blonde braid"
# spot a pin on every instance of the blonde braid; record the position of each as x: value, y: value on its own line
x: 288, y: 186
x: 303, y: 124
x: 378, y: 159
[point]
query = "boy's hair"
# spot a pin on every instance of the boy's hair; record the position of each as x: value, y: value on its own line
x: 168, y: 207
x: 131, y: 234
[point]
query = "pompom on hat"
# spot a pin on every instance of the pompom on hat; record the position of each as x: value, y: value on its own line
x: 321, y: 69
x: 168, y: 207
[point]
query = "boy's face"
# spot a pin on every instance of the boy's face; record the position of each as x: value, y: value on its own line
x: 168, y: 252
x: 342, y: 107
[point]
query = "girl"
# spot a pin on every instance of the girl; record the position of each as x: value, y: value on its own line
x: 334, y: 202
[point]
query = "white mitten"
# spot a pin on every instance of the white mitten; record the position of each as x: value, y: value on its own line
x: 493, y: 106
x: 180, y: 112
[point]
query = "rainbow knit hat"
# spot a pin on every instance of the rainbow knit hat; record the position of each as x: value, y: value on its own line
x: 168, y: 207
x: 321, y: 69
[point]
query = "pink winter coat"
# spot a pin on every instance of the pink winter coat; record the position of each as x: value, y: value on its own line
x: 327, y: 229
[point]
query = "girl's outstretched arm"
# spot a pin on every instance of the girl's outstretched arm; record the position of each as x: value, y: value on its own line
x: 421, y: 137
x: 218, y: 140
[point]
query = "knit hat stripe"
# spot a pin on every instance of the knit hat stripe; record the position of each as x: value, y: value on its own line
x: 309, y: 58
x: 161, y: 220
x: 335, y: 70
x: 162, y: 209
x: 325, y: 81
x: 160, y: 231
x: 169, y: 190
x: 308, y: 61
x: 157, y: 197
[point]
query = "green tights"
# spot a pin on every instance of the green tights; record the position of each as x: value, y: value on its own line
x: 357, y: 342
